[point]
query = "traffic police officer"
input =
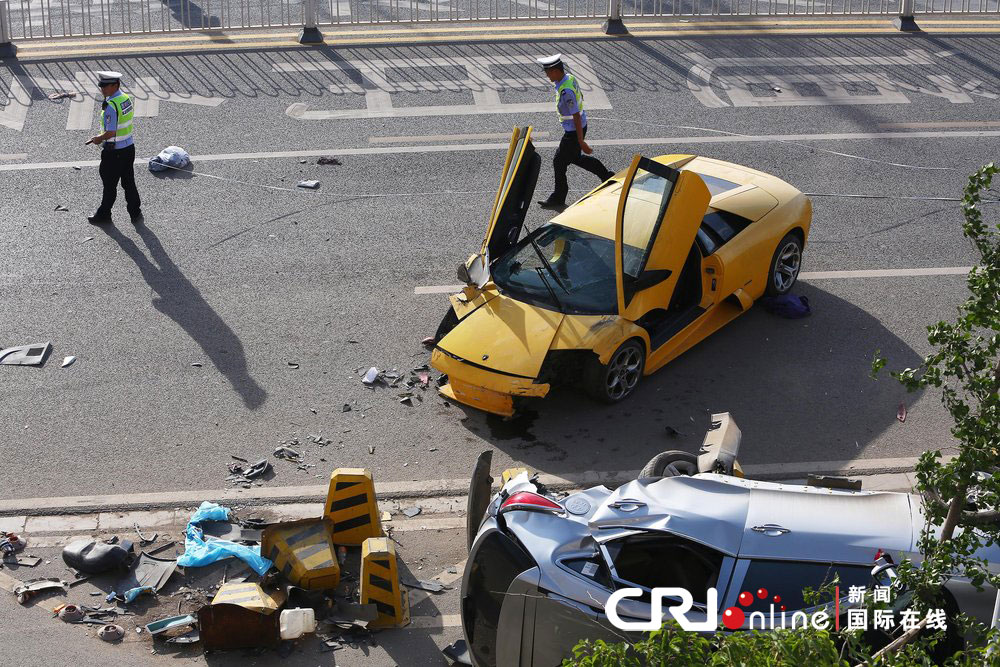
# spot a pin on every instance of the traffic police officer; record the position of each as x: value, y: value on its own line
x: 117, y: 150
x: 572, y: 148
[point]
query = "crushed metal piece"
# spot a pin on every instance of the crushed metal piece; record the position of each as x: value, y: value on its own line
x: 311, y: 185
x: 424, y: 585
x: 68, y: 361
x: 26, y: 355
x: 346, y: 408
x: 328, y: 160
x: 293, y: 364
x: 33, y: 587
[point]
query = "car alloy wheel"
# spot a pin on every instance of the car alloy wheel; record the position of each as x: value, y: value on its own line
x: 786, y: 266
x: 623, y: 373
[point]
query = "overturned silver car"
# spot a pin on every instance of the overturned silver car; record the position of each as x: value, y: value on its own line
x: 542, y: 567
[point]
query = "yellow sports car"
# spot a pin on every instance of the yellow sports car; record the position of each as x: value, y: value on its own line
x: 623, y: 281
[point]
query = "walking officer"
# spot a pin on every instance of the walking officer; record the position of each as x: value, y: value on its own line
x: 572, y: 148
x: 117, y: 150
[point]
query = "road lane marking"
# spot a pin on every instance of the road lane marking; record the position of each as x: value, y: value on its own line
x: 805, y: 275
x: 377, y: 86
x: 451, y: 137
x: 456, y: 148
x: 940, y: 125
x: 431, y: 622
x: 14, y: 156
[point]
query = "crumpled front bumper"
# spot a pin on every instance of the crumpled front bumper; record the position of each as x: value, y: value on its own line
x: 481, y: 388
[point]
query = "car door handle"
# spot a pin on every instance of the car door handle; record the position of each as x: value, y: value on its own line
x: 771, y: 529
x: 627, y: 505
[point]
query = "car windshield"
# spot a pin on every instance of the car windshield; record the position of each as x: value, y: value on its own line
x: 579, y: 278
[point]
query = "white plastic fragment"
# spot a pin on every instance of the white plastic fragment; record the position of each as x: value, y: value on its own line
x: 68, y: 361
x: 371, y: 376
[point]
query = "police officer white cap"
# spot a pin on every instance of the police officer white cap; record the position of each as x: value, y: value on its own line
x: 108, y: 77
x: 548, y: 62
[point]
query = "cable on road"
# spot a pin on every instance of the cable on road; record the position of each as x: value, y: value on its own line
x: 780, y: 141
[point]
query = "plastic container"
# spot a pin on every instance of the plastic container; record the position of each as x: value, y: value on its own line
x: 297, y: 622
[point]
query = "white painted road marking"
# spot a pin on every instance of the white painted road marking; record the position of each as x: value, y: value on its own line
x: 805, y: 275
x: 146, y: 92
x: 833, y: 88
x: 939, y: 125
x: 455, y: 148
x: 428, y: 138
x: 480, y: 82
x: 14, y: 156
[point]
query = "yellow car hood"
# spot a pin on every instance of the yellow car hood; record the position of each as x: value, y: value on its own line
x: 504, y: 335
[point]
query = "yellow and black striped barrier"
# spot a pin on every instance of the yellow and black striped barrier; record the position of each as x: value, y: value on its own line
x: 351, y: 505
x: 304, y: 552
x: 380, y: 584
x: 250, y: 596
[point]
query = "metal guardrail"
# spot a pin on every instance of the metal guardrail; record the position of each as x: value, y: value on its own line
x: 33, y: 19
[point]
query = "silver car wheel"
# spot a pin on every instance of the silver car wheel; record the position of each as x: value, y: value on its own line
x: 623, y: 372
x: 786, y: 267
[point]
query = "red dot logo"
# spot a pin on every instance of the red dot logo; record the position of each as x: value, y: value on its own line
x: 782, y: 607
x: 746, y: 599
x: 733, y: 618
x: 762, y: 593
x: 777, y: 599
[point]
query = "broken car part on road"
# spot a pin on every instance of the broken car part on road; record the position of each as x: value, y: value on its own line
x: 26, y: 355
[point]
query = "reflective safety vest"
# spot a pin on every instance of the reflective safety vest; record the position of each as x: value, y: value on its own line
x: 570, y: 83
x: 122, y: 104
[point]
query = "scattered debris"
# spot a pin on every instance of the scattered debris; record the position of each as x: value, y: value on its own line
x: 197, y: 364
x: 371, y: 377
x: 243, y: 474
x: 89, y: 238
x: 149, y: 573
x: 776, y: 89
x: 26, y: 355
x: 170, y: 623
x: 424, y: 585
x: 458, y: 653
x: 293, y: 623
x: 22, y: 561
x: 111, y: 633
x: 412, y: 511
x: 94, y: 557
x: 10, y: 544
x: 192, y: 637
x: 346, y: 408
x: 293, y: 364
x: 311, y: 185
x: 326, y: 160
x: 229, y: 626
x: 70, y: 613
x: 76, y: 168
x: 143, y: 540
x: 60, y: 207
x: 33, y: 587
x: 198, y: 551
x: 171, y: 157
x: 59, y: 96
x: 68, y: 361
x: 371, y: 449
x: 386, y: 516
x: 162, y: 547
x: 287, y: 453
x: 428, y: 342
x: 901, y: 413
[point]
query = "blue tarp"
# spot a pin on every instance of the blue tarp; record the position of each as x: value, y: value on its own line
x: 198, y: 551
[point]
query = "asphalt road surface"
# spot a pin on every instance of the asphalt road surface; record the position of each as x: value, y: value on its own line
x: 245, y: 311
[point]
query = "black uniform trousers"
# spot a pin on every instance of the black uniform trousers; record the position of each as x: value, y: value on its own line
x: 569, y: 153
x: 117, y: 165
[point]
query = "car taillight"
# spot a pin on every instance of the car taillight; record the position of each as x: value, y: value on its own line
x: 526, y: 500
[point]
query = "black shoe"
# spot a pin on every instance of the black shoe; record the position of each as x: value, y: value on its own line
x: 98, y: 219
x: 138, y: 219
x: 552, y: 204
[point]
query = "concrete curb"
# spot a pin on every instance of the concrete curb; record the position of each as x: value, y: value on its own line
x: 416, y: 489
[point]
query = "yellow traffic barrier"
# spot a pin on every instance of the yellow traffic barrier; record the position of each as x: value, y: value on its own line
x: 351, y: 505
x: 380, y: 584
x: 250, y: 596
x: 304, y: 552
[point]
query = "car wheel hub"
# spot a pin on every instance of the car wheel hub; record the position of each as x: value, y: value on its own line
x: 786, y: 266
x: 623, y: 373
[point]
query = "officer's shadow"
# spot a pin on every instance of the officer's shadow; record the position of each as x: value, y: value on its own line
x: 181, y: 301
